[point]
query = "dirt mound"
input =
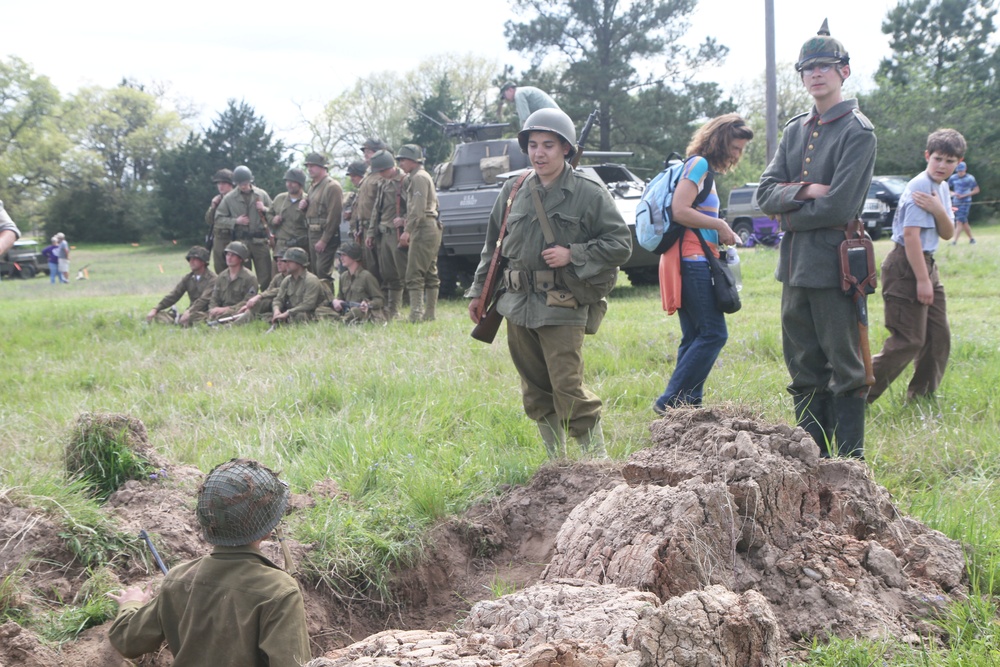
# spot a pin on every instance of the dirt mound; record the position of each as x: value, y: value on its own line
x: 724, y: 542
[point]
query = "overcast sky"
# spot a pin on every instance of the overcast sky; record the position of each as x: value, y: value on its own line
x: 305, y: 56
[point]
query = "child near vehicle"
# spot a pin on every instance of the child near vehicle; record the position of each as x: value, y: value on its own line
x: 915, y: 313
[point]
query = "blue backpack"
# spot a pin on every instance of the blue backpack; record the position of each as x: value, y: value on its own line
x: 654, y: 228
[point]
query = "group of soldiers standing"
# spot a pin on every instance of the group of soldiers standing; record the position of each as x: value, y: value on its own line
x: 293, y: 242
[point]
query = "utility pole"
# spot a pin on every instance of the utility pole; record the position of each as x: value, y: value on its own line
x: 771, y: 84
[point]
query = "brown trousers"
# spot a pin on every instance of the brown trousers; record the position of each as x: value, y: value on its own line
x: 549, y: 360
x: 918, y: 332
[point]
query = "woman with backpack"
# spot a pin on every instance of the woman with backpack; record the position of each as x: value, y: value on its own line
x: 685, y: 276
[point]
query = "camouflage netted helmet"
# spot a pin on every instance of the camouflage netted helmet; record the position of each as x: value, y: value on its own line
x: 373, y: 144
x: 242, y: 174
x: 238, y: 249
x: 240, y: 502
x: 297, y: 255
x: 198, y: 252
x: 223, y: 176
x: 549, y: 120
x: 296, y: 175
x: 351, y: 249
x: 410, y: 152
x: 822, y: 49
x: 356, y: 168
x: 382, y: 160
x: 317, y: 159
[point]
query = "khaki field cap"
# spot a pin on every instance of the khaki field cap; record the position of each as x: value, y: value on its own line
x: 382, y: 160
x: 410, y: 152
x: 296, y: 175
x: 822, y: 50
x: 317, y: 159
x: 198, y: 252
x: 356, y: 168
x: 240, y: 502
x: 238, y: 249
x: 351, y: 249
x: 297, y: 255
x: 223, y: 176
x: 242, y: 174
x: 549, y: 120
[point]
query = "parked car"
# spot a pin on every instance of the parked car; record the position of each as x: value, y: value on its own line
x: 745, y: 217
x: 23, y: 260
x: 881, y: 204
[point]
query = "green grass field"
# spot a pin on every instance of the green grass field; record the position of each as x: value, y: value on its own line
x: 418, y: 422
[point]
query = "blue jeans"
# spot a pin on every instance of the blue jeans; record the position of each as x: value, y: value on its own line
x: 53, y: 272
x: 703, y: 335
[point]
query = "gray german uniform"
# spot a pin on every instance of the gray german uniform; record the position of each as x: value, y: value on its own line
x: 835, y: 149
x: 583, y: 217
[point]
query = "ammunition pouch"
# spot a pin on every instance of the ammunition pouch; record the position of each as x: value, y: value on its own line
x: 542, y: 282
x: 858, y: 277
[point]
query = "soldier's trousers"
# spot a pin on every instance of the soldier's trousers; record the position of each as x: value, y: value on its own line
x: 549, y: 360
x: 260, y: 254
x: 421, y: 263
x: 392, y: 260
x: 321, y: 263
x: 222, y: 238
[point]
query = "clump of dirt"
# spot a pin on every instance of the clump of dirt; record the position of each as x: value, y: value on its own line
x: 724, y: 522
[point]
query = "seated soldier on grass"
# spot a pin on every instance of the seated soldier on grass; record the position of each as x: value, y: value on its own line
x: 199, y: 281
x: 359, y: 298
x: 301, y: 297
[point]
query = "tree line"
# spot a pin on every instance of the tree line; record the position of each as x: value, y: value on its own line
x: 126, y: 164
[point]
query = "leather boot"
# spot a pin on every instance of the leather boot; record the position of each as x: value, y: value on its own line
x: 416, y: 305
x: 395, y: 303
x: 430, y: 303
x: 592, y: 442
x: 814, y: 413
x: 553, y: 436
x: 849, y: 416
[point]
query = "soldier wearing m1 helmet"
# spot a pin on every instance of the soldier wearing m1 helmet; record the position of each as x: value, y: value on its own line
x: 196, y: 283
x: 288, y: 221
x: 364, y: 204
x: 243, y: 211
x: 815, y: 185
x: 385, y: 227
x: 302, y: 296
x: 232, y: 288
x: 234, y: 606
x: 545, y: 330
x: 322, y: 207
x: 421, y: 234
x: 221, y: 234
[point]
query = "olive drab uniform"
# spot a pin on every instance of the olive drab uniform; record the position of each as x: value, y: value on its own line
x: 304, y: 297
x: 362, y: 286
x: 272, y: 632
x: 221, y: 235
x: 546, y: 342
x: 361, y: 213
x: 390, y: 203
x: 291, y: 230
x: 326, y: 198
x: 229, y: 293
x: 254, y: 235
x: 194, y: 286
x: 422, y: 224
x: 819, y: 323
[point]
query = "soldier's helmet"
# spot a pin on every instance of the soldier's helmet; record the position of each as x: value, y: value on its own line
x: 822, y: 49
x: 296, y: 175
x: 351, y: 249
x: 373, y: 144
x: 382, y: 160
x: 240, y: 502
x: 198, y: 252
x: 242, y: 174
x: 410, y: 152
x: 549, y: 120
x: 223, y: 176
x: 507, y: 86
x: 238, y: 249
x: 297, y: 255
x: 356, y: 168
x: 317, y: 159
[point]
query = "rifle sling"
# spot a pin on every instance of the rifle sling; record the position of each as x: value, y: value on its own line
x: 491, y: 275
